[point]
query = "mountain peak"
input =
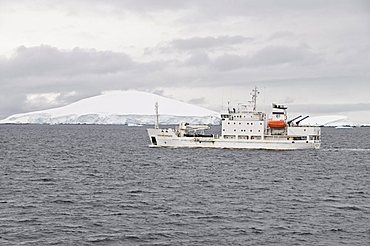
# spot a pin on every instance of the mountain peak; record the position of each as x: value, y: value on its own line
x: 118, y: 107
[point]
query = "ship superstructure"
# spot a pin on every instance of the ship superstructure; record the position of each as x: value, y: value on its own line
x: 243, y: 127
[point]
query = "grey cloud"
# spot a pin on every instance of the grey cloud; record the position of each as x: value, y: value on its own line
x: 196, y: 46
x: 280, y: 35
x: 206, y: 10
x: 66, y: 74
x: 199, y: 101
x: 43, y: 60
x: 198, y: 59
x: 212, y: 9
x: 145, y: 5
x: 207, y: 42
x: 230, y: 62
x: 268, y: 56
x: 272, y: 55
x: 330, y: 108
x: 10, y: 104
x: 46, y: 69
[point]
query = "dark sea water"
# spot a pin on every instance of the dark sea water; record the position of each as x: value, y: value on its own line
x: 102, y: 185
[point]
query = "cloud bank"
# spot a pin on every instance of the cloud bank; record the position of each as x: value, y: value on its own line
x: 312, y: 52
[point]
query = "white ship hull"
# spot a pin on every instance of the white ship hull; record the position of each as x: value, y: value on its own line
x: 168, y: 140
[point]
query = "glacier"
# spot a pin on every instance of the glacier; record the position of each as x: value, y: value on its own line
x: 119, y: 107
x: 327, y: 120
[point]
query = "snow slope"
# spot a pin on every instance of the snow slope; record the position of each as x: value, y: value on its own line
x: 119, y: 107
x: 327, y: 120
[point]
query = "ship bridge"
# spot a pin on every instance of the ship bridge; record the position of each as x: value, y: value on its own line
x: 243, y: 121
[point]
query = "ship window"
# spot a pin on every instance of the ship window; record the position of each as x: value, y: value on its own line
x: 240, y: 123
x: 154, y: 141
x: 314, y: 138
x: 223, y: 129
x: 234, y: 130
x: 250, y: 130
x: 259, y: 130
x: 260, y: 123
x: 234, y: 123
x: 252, y: 123
x: 242, y: 137
x: 247, y: 123
x: 228, y: 123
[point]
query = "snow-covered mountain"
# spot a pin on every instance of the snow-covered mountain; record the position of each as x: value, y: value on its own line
x: 119, y: 107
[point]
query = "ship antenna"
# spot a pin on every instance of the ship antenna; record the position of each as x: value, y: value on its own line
x: 157, y: 116
x: 254, y: 94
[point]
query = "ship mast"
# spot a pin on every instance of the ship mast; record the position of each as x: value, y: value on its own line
x: 157, y: 116
x: 254, y: 94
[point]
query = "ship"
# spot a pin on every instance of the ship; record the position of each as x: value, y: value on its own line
x: 242, y: 127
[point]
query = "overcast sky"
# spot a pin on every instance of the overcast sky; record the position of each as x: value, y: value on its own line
x: 312, y: 55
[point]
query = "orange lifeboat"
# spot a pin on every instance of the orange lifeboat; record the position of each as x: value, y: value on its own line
x: 277, y: 124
